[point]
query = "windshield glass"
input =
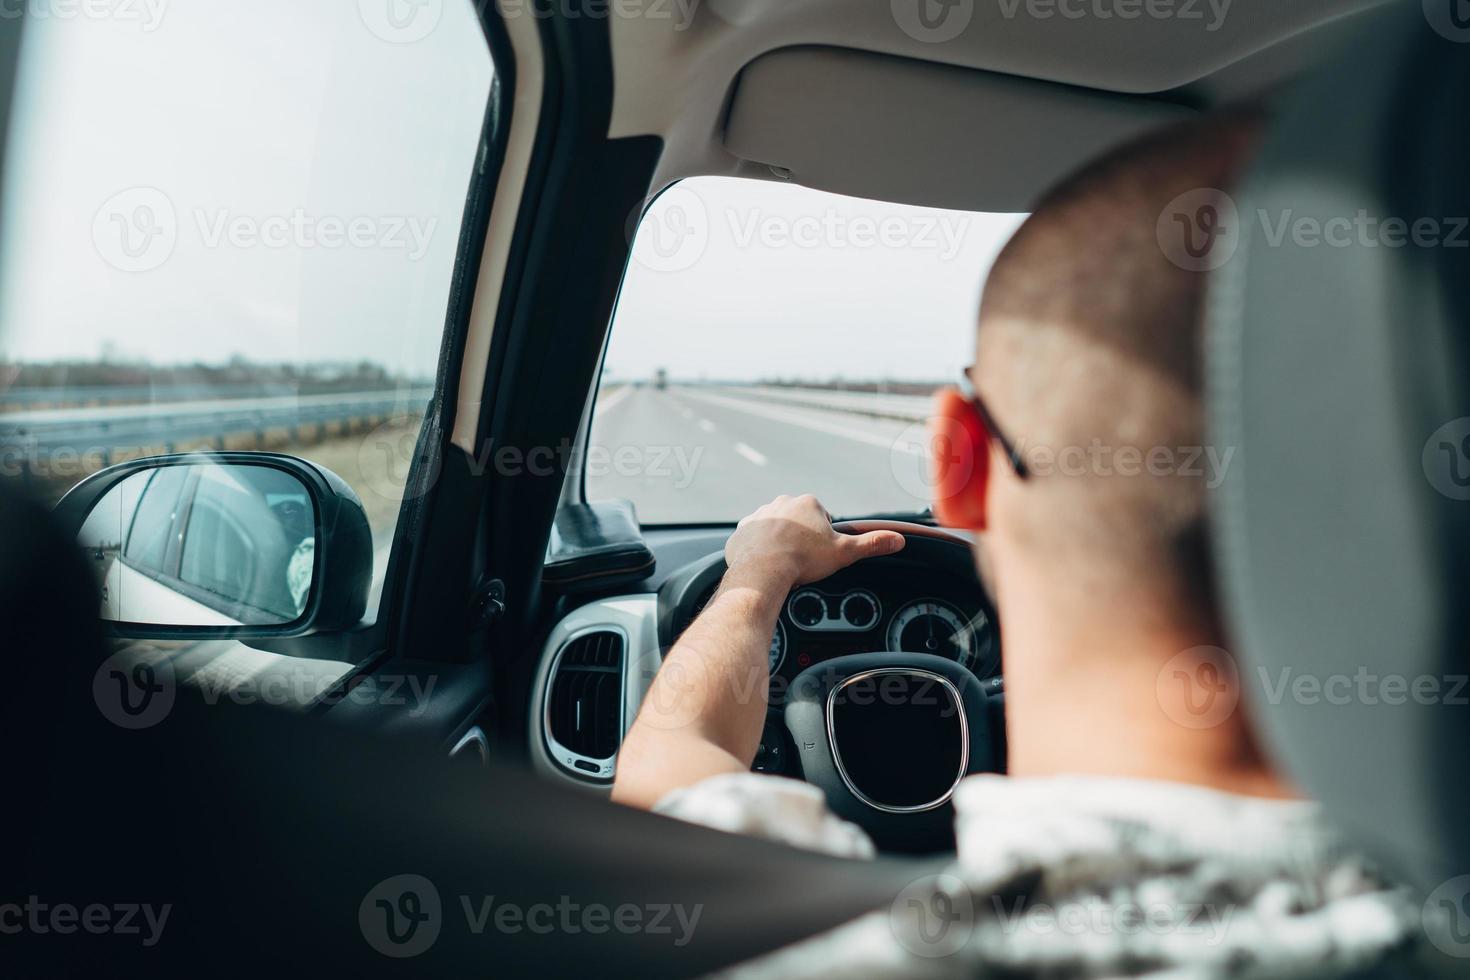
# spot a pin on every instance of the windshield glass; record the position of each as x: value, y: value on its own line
x: 774, y: 339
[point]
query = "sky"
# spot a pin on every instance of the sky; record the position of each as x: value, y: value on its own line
x: 244, y: 137
x: 186, y: 172
x: 737, y: 279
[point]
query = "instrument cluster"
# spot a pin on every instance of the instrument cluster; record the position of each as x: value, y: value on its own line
x: 919, y: 612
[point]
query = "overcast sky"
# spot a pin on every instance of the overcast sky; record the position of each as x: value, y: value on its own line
x: 739, y: 279
x: 179, y: 173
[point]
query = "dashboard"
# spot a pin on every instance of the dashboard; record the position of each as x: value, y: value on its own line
x: 926, y: 599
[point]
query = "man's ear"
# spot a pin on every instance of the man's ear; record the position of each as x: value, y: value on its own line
x: 960, y: 445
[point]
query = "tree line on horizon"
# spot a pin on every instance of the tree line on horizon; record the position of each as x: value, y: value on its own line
x: 237, y: 372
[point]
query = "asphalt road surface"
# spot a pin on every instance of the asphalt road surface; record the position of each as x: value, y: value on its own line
x: 689, y: 454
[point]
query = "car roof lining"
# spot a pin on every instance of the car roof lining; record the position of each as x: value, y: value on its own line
x: 1084, y: 82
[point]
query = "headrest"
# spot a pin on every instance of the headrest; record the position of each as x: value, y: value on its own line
x: 1338, y: 371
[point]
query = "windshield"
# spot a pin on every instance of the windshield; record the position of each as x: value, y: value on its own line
x: 774, y: 339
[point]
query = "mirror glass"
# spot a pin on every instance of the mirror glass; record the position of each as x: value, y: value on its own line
x: 203, y: 543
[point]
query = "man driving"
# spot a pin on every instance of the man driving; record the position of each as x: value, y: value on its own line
x: 1117, y: 795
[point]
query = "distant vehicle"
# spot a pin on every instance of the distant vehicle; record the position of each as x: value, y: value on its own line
x: 660, y: 379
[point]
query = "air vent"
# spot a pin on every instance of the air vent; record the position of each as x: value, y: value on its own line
x: 584, y: 702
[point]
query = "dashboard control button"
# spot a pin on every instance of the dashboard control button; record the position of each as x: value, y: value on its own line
x: 769, y: 756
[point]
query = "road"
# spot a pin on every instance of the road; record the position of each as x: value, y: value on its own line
x: 691, y: 454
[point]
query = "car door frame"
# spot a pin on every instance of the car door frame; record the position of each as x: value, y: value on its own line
x: 523, y: 343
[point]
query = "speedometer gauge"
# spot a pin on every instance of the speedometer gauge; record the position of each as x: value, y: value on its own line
x: 932, y: 626
x: 778, y: 638
x: 778, y: 647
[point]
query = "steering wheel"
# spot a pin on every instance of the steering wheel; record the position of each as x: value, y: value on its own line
x: 886, y: 735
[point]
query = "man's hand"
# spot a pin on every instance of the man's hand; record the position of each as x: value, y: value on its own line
x: 704, y: 712
x: 790, y: 542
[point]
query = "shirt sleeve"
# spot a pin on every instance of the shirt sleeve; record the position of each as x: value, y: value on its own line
x: 772, y: 807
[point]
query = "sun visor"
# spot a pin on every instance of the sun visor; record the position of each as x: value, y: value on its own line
x: 895, y: 129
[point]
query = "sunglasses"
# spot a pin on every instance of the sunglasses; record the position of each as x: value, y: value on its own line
x: 1013, y: 455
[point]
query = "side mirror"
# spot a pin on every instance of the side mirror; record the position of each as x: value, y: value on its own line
x: 209, y: 545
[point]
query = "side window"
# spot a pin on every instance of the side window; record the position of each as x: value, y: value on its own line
x: 233, y: 226
x: 152, y: 527
x: 245, y: 544
x: 218, y: 556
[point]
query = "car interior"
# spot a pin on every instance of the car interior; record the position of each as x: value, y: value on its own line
x: 475, y: 662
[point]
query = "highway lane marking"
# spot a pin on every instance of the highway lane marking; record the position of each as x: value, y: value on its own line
x: 706, y: 425
x: 785, y: 414
x: 750, y: 454
x: 603, y: 404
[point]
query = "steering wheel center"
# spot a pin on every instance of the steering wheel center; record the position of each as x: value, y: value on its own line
x: 887, y: 737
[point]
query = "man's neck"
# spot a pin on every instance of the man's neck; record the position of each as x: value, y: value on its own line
x: 1119, y: 689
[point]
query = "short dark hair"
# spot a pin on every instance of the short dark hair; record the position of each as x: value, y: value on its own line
x: 1090, y: 338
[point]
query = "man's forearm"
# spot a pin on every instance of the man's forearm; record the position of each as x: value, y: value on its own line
x: 704, y: 712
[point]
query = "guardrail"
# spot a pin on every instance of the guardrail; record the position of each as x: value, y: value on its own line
x: 28, y: 436
x: 81, y: 396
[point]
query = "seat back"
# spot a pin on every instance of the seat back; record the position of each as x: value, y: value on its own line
x: 1338, y: 372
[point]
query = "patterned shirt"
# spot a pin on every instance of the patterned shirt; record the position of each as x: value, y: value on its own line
x: 1091, y: 877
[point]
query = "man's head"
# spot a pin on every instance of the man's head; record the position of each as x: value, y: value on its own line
x: 1088, y: 359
